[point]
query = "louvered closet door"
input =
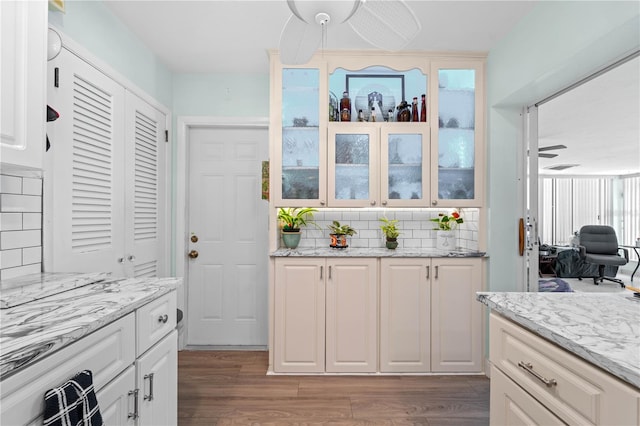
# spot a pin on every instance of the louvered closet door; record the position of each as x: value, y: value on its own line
x: 145, y: 156
x: 84, y: 200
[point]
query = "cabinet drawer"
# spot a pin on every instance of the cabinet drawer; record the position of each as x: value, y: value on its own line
x: 154, y: 321
x: 510, y: 405
x: 582, y: 394
x: 106, y: 353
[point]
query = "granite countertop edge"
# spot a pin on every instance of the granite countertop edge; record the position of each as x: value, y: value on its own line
x: 374, y: 252
x: 32, y: 331
x: 622, y: 369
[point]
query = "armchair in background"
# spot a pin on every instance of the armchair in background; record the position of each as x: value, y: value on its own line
x: 599, y: 245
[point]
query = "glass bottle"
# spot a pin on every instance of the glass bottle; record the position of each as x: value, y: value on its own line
x: 360, y: 115
x: 373, y: 114
x: 345, y: 107
x: 414, y: 109
x: 390, y: 115
x: 423, y: 108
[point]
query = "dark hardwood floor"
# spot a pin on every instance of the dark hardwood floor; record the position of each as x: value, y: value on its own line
x: 232, y: 388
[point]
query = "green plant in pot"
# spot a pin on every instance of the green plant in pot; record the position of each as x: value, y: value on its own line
x: 390, y: 230
x: 291, y: 220
x: 339, y: 234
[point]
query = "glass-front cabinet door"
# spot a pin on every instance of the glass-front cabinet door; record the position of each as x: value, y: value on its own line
x: 404, y: 166
x: 303, y: 141
x: 457, y: 152
x: 353, y: 166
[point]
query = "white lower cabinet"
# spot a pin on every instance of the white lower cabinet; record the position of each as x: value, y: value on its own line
x: 340, y: 315
x: 429, y: 320
x: 456, y: 316
x: 538, y: 383
x: 156, y: 376
x: 131, y: 389
x: 325, y: 315
x: 405, y: 320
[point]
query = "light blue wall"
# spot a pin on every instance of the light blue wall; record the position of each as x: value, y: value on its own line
x: 92, y: 25
x: 224, y: 95
x: 557, y: 44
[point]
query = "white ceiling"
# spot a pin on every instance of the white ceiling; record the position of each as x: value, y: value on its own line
x: 598, y: 124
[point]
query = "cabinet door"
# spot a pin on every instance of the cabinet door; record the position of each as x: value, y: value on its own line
x: 84, y: 180
x: 299, y: 315
x: 456, y: 316
x: 145, y: 189
x: 116, y: 403
x: 23, y: 41
x: 352, y: 311
x: 405, y: 321
x: 353, y: 162
x: 404, y: 166
x: 299, y: 165
x: 157, y: 379
x: 457, y: 151
x: 510, y: 405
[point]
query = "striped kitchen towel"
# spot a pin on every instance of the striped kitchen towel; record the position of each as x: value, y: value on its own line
x: 73, y: 404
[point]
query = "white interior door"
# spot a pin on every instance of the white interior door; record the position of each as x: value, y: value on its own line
x: 227, y: 282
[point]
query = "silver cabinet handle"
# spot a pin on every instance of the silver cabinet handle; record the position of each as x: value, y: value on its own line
x: 121, y: 260
x: 131, y: 258
x: 150, y: 377
x: 373, y: 202
x: 134, y: 415
x: 384, y: 203
x: 434, y: 202
x: 427, y: 271
x: 329, y: 272
x: 163, y: 318
x: 321, y: 269
x: 528, y: 367
x: 436, y: 272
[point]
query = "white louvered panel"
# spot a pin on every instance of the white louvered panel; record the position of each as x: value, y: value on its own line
x: 587, y: 203
x: 562, y: 227
x: 147, y: 269
x: 92, y: 162
x: 146, y: 178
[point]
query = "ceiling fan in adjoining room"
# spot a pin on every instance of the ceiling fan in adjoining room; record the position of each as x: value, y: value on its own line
x: 385, y: 24
x: 542, y: 149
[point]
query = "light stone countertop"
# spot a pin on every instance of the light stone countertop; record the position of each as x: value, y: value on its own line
x: 601, y: 328
x: 372, y: 252
x: 36, y: 329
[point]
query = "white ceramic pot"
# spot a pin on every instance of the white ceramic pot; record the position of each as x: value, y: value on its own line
x: 445, y: 240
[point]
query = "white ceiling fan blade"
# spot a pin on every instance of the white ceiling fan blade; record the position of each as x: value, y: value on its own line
x: 299, y: 41
x: 386, y: 24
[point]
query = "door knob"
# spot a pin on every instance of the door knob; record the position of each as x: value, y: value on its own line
x: 193, y: 254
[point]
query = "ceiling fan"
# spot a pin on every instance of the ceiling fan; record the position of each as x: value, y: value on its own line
x: 385, y: 24
x: 543, y: 154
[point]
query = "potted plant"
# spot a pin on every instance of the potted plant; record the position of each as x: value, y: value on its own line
x: 291, y: 219
x: 339, y: 234
x: 390, y: 230
x: 446, y: 225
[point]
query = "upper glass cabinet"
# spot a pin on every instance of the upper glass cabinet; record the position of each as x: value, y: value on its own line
x: 303, y: 162
x: 457, y: 135
x: 376, y: 94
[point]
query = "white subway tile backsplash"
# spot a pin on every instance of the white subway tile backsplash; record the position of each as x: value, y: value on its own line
x: 31, y: 255
x: 20, y: 225
x: 10, y: 184
x: 31, y: 186
x: 10, y: 258
x: 19, y: 239
x: 32, y: 221
x: 10, y: 221
x: 20, y: 203
x: 19, y: 271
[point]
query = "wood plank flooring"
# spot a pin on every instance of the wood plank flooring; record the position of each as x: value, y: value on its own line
x: 232, y: 388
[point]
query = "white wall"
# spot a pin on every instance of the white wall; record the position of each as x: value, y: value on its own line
x: 557, y: 44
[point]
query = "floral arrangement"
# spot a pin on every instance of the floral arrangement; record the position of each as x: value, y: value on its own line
x: 448, y: 222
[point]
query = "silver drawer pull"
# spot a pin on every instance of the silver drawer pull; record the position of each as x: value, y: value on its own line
x: 528, y: 367
x: 150, y: 396
x: 163, y: 318
x: 134, y: 415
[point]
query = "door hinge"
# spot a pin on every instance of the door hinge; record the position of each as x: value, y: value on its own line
x: 166, y: 136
